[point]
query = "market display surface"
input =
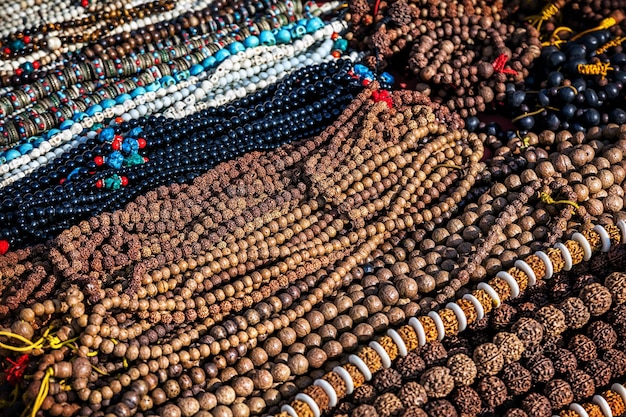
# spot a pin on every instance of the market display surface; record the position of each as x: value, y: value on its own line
x: 298, y: 209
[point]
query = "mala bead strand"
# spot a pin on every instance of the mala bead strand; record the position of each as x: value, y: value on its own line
x: 85, y: 184
x: 552, y: 388
x: 609, y: 403
x: 487, y: 298
x: 329, y: 290
x: 216, y: 225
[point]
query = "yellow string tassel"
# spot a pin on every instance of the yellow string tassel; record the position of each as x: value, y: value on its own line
x: 547, y: 199
x: 604, y: 24
x: 610, y: 44
x: 599, y: 68
x: 548, y: 11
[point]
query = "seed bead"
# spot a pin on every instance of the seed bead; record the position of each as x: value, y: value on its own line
x: 468, y: 309
x: 430, y: 328
x: 409, y: 336
x: 556, y: 258
x: 371, y: 359
x: 615, y: 401
x: 450, y: 321
x: 484, y: 299
x: 537, y: 265
x: 390, y: 347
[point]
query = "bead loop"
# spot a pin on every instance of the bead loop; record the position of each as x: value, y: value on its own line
x: 604, y: 236
x: 578, y: 409
x: 619, y: 388
x: 567, y: 256
x: 604, y: 406
x: 345, y: 375
x: 289, y: 410
x: 329, y: 390
x: 524, y: 267
x: 622, y: 227
x: 402, y: 350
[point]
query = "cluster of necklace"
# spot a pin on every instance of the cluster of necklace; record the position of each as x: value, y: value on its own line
x: 92, y: 146
x: 220, y: 209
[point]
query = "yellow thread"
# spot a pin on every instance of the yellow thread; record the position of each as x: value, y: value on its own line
x: 532, y: 113
x: 92, y: 354
x: 525, y: 140
x: 98, y: 370
x: 548, y: 11
x: 55, y: 343
x: 546, y: 198
x: 14, y: 395
x: 613, y: 42
x: 604, y: 24
x: 29, y: 344
x: 555, y: 39
x: 599, y: 68
x: 125, y: 362
x: 43, y: 391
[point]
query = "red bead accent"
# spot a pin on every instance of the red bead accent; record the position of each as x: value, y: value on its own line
x: 36, y: 65
x: 7, y: 51
x: 124, y: 181
x: 500, y: 63
x: 142, y: 143
x: 145, y: 159
x: 336, y: 54
x: 19, y: 71
x: 119, y: 120
x: 366, y: 82
x: 117, y: 143
x: 334, y: 36
x: 4, y: 247
x: 26, y: 39
x: 62, y: 181
x: 99, y: 184
x: 382, y: 95
x: 99, y: 160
